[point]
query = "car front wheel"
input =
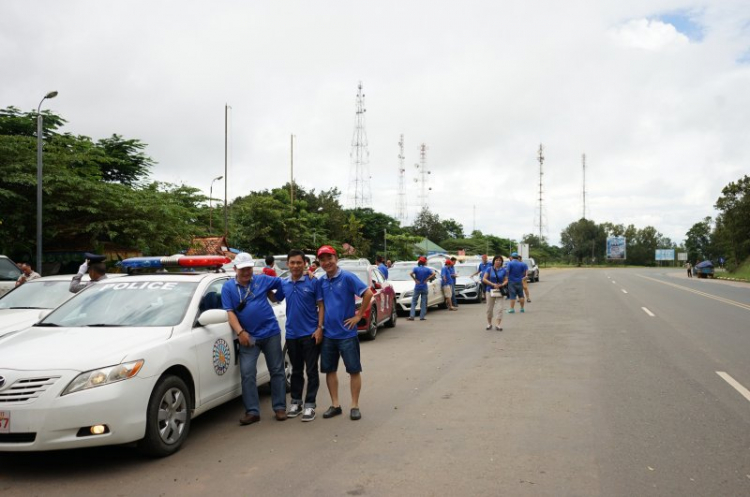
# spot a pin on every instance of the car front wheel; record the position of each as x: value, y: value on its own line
x: 167, y: 418
x: 372, y: 329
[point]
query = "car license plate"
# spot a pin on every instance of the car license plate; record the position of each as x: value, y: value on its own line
x: 4, y: 421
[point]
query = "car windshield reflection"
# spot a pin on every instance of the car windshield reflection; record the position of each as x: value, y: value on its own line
x: 37, y: 295
x: 132, y: 303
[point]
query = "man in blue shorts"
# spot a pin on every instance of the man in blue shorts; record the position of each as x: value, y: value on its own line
x: 516, y: 273
x: 245, y: 298
x: 304, y: 332
x: 340, y: 339
x: 421, y: 275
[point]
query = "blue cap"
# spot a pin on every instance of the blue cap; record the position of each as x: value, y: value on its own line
x: 514, y: 254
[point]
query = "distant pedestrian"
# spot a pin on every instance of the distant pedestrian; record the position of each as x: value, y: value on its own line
x: 340, y: 335
x: 525, y: 282
x: 270, y: 269
x: 389, y: 264
x: 453, y: 282
x: 314, y: 265
x: 381, y: 265
x: 482, y: 268
x: 421, y: 275
x: 28, y: 273
x: 689, y: 269
x: 494, y: 279
x: 96, y: 269
x: 446, y: 286
x: 516, y: 274
x: 251, y: 317
x: 304, y: 333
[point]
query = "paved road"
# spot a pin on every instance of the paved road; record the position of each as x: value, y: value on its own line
x: 585, y: 394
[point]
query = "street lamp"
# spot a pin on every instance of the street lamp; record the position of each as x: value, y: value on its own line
x: 210, y: 208
x: 39, y: 140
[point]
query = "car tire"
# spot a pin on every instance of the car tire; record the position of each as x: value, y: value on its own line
x: 372, y: 330
x: 287, y: 370
x: 167, y: 418
x: 394, y: 316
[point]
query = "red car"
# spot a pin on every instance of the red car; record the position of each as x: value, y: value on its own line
x: 382, y: 311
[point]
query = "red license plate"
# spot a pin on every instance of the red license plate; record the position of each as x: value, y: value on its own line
x: 4, y: 421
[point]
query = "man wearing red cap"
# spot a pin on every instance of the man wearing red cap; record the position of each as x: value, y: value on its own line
x: 420, y: 274
x: 340, y: 338
x: 446, y: 284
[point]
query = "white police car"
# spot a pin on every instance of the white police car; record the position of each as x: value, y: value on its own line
x: 133, y: 359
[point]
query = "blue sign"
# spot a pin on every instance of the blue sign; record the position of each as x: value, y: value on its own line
x: 616, y: 247
x: 665, y: 254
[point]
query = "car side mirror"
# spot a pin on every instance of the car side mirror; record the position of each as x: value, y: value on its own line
x: 213, y: 316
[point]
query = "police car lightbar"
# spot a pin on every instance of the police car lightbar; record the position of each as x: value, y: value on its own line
x: 174, y: 261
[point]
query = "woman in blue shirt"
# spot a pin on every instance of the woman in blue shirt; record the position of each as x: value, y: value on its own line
x: 494, y: 279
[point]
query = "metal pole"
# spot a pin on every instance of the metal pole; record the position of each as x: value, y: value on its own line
x: 226, y: 171
x: 210, y: 207
x: 385, y: 243
x: 39, y: 138
x: 291, y: 175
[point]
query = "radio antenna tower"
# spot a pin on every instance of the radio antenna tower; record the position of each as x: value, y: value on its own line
x: 359, y: 179
x: 401, y: 213
x: 540, y: 157
x: 424, y: 190
x: 583, y: 158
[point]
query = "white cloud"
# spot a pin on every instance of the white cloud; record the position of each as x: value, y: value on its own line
x: 649, y: 35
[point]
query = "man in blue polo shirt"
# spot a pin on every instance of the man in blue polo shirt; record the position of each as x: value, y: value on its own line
x: 245, y: 298
x: 304, y: 332
x: 420, y: 274
x: 482, y: 268
x: 340, y: 339
x: 381, y: 265
x: 516, y: 273
x: 446, y: 285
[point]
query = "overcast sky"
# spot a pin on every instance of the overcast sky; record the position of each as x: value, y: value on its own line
x: 656, y: 93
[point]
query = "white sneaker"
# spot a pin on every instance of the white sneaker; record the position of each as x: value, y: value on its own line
x: 309, y: 414
x: 294, y: 411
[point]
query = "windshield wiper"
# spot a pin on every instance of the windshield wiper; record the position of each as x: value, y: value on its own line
x: 25, y: 307
x: 103, y: 325
x: 47, y: 324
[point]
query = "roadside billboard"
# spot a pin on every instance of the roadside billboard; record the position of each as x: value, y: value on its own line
x: 523, y: 250
x: 664, y: 254
x: 681, y: 256
x: 616, y: 247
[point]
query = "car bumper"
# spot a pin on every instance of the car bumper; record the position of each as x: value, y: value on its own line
x: 468, y: 293
x: 52, y: 422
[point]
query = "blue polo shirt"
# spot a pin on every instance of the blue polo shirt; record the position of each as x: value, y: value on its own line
x: 257, y: 318
x: 495, y: 276
x: 302, y: 297
x: 422, y: 274
x: 445, y: 276
x: 516, y: 270
x: 453, y: 272
x: 483, y: 267
x: 338, y: 297
x: 383, y: 269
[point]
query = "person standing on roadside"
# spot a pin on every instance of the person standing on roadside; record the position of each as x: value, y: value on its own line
x: 421, y: 275
x: 516, y: 274
x: 453, y: 282
x: 494, y: 279
x: 446, y: 284
x: 270, y: 269
x: 482, y: 268
x: 525, y: 282
x: 304, y: 333
x: 246, y: 300
x: 381, y: 265
x: 689, y: 269
x: 28, y: 274
x: 340, y: 336
x: 96, y: 269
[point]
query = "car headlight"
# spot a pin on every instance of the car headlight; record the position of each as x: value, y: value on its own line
x: 104, y: 376
x: 408, y: 294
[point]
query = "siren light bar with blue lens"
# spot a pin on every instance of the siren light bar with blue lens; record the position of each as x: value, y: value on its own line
x: 193, y: 261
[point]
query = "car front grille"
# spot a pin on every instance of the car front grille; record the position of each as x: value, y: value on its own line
x: 26, y: 390
x: 17, y: 438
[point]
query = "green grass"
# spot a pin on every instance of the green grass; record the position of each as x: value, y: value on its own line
x: 742, y: 273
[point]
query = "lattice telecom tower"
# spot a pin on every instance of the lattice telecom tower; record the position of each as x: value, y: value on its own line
x: 360, y: 194
x: 424, y: 190
x: 401, y: 212
x: 540, y: 157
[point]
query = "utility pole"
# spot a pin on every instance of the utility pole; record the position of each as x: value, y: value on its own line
x: 359, y: 179
x: 583, y: 158
x: 540, y: 157
x: 423, y: 174
x: 401, y: 213
x: 291, y: 180
x: 226, y: 168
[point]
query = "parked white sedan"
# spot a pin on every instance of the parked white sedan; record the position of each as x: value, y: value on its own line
x: 403, y: 285
x: 127, y: 360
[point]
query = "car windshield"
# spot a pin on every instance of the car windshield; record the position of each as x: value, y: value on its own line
x: 400, y: 273
x: 37, y: 295
x: 465, y: 270
x: 130, y: 303
x: 8, y: 270
x: 361, y: 273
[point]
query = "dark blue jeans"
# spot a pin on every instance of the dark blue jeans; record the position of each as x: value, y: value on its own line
x: 271, y: 348
x: 304, y: 354
x: 423, y: 303
x: 453, y: 294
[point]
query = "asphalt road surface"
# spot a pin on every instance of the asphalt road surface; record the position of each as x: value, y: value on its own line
x: 614, y: 382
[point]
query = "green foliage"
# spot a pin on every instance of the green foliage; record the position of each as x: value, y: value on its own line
x: 401, y: 246
x: 732, y: 232
x: 428, y: 225
x: 698, y: 240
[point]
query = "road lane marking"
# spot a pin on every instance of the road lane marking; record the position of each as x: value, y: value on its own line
x: 735, y: 384
x: 703, y: 294
x: 648, y: 312
x: 624, y: 291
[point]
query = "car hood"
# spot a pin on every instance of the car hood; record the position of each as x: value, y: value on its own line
x: 402, y: 286
x: 16, y: 319
x: 465, y: 280
x: 78, y: 349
